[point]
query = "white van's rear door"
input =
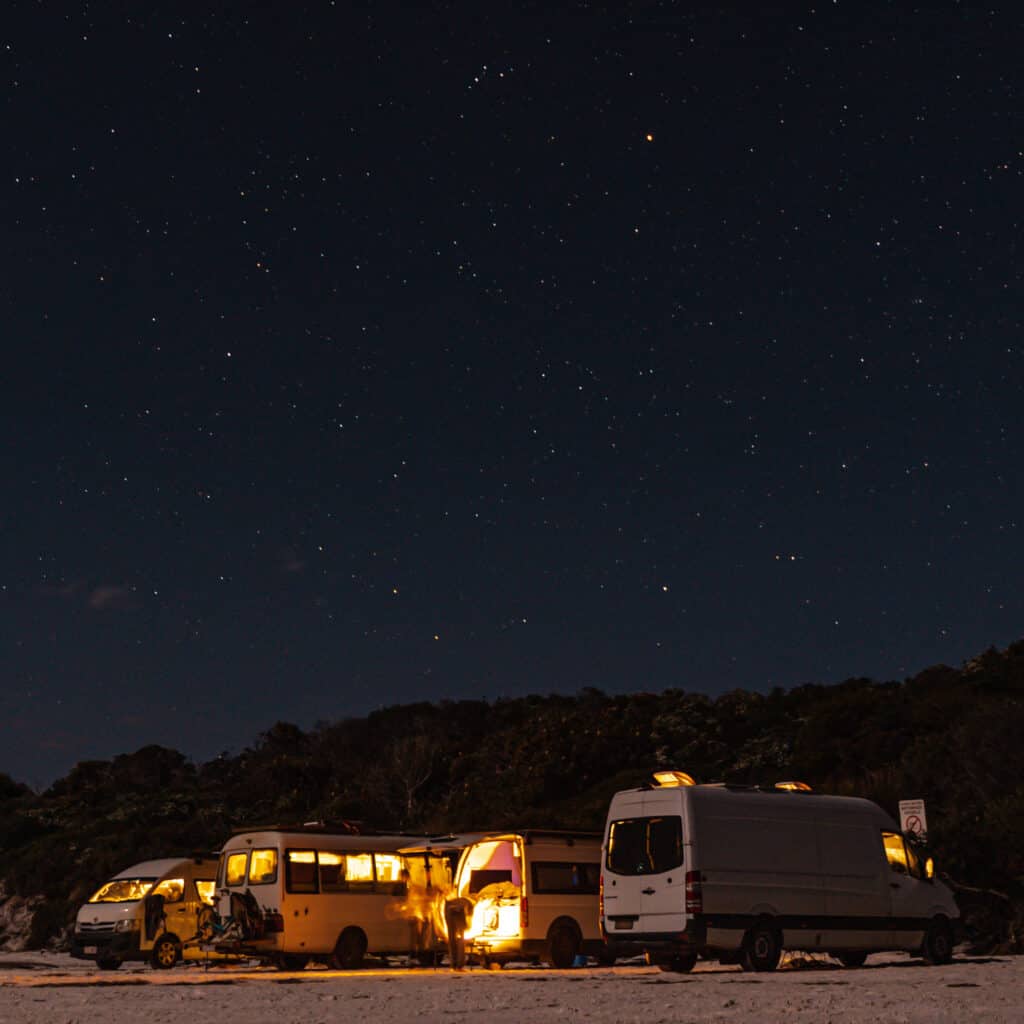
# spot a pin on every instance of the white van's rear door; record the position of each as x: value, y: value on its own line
x: 644, y: 870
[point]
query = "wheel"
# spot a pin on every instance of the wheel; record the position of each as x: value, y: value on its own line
x: 762, y: 948
x: 292, y: 962
x: 937, y: 947
x: 350, y: 950
x: 108, y: 965
x: 563, y: 945
x: 852, y: 959
x: 166, y: 952
x: 680, y: 963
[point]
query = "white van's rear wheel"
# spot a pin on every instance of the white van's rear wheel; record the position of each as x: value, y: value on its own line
x: 563, y: 946
x: 350, y: 950
x: 762, y: 948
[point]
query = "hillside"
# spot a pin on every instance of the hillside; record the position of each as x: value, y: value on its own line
x: 951, y: 736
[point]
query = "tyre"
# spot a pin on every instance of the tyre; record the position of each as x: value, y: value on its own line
x: 680, y: 963
x: 762, y: 948
x: 852, y: 959
x: 563, y: 945
x: 349, y: 952
x: 938, y: 942
x: 108, y: 965
x: 292, y: 962
x: 166, y: 952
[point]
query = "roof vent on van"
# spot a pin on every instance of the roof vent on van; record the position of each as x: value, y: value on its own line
x: 673, y: 778
x: 793, y: 787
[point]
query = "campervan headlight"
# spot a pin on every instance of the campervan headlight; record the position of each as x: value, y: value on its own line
x: 128, y: 924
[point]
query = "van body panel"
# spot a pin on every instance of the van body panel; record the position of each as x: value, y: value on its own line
x: 323, y: 883
x: 111, y: 927
x: 817, y: 866
x: 525, y: 885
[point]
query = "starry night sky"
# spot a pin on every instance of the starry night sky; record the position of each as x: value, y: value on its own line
x: 358, y: 355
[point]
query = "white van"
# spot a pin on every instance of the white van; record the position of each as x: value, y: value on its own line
x: 148, y: 912
x: 534, y: 896
x: 307, y: 893
x: 737, y: 874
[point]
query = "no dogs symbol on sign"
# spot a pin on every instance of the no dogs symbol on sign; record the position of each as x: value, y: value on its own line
x: 912, y: 818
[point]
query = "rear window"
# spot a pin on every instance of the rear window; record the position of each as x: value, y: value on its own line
x: 645, y: 846
x: 565, y: 877
x: 263, y: 867
x: 234, y: 868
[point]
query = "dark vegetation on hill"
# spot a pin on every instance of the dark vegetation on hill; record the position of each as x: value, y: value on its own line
x: 951, y: 736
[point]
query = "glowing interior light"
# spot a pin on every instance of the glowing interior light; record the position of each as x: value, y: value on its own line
x: 673, y: 778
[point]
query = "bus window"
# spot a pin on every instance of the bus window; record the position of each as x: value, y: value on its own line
x: 300, y: 871
x: 207, y: 890
x: 234, y: 869
x: 263, y: 867
x: 389, y: 867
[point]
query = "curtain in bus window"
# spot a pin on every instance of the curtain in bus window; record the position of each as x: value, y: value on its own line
x: 300, y: 871
x: 332, y: 870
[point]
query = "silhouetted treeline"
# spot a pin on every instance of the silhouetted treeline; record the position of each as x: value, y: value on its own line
x: 951, y: 736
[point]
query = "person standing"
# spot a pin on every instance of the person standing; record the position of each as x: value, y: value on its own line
x: 458, y: 912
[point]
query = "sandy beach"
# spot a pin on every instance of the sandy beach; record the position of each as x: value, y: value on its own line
x: 47, y: 987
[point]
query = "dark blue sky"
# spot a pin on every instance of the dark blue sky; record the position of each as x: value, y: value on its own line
x: 358, y: 356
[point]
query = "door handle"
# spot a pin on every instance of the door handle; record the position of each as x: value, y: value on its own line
x: 648, y: 892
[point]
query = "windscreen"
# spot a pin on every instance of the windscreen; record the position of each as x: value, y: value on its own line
x: 645, y: 846
x: 123, y: 890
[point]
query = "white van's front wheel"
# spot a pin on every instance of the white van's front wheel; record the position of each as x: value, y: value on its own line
x: 938, y: 942
x: 762, y: 947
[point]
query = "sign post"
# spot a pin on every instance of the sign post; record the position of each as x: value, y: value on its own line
x: 912, y: 818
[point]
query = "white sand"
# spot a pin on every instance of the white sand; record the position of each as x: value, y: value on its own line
x: 51, y: 988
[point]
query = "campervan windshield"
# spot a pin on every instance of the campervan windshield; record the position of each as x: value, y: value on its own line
x: 123, y: 890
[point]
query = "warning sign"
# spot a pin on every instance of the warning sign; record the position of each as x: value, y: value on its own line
x: 912, y: 818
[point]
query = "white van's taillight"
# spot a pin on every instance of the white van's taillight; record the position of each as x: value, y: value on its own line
x: 694, y: 893
x: 524, y: 913
x: 600, y: 897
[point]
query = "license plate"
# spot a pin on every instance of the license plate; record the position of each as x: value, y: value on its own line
x: 624, y: 924
x: 89, y: 950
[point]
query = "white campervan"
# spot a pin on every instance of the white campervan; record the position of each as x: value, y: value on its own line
x: 305, y: 893
x: 737, y: 874
x: 533, y: 895
x: 150, y: 911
